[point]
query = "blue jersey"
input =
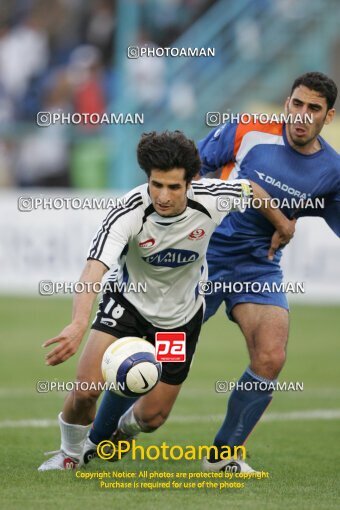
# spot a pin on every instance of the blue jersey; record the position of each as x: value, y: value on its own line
x: 238, y: 249
x: 260, y: 152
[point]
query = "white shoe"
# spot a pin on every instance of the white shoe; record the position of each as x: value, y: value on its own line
x: 230, y: 466
x: 116, y: 437
x: 89, y: 452
x: 59, y: 461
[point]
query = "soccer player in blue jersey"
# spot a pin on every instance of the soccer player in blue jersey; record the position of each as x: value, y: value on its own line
x: 288, y: 160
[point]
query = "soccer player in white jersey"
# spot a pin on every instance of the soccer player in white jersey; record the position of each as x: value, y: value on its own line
x: 152, y: 238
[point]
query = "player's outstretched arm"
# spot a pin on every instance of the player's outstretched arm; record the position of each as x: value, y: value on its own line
x: 70, y: 338
x: 285, y: 228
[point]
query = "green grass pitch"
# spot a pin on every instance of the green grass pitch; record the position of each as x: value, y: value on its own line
x: 302, y: 454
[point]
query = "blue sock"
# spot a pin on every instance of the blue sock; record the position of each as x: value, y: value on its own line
x: 112, y: 407
x: 246, y: 405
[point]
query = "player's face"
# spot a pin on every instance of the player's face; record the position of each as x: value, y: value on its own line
x: 302, y: 134
x: 168, y: 191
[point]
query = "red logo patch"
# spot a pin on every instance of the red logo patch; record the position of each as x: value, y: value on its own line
x: 147, y: 244
x: 196, y: 234
x: 170, y: 346
x: 69, y: 463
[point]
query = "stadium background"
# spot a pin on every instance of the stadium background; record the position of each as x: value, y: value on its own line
x: 71, y: 56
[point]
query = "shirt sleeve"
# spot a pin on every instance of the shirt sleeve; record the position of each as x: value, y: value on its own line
x: 116, y: 231
x: 217, y: 149
x: 331, y: 214
x: 223, y: 197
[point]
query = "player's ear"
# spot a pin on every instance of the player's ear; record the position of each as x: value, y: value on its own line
x: 286, y: 105
x: 330, y: 116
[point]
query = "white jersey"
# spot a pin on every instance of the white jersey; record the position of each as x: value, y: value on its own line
x: 168, y: 254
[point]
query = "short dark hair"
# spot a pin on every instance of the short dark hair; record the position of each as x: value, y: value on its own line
x: 320, y: 83
x: 166, y: 151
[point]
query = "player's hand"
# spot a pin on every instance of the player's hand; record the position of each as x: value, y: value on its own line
x: 281, y: 237
x: 68, y: 342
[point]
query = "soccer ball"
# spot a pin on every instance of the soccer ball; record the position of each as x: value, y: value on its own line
x: 129, y: 366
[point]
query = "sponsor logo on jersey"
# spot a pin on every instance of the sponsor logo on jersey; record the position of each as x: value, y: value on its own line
x: 147, y: 244
x: 196, y: 234
x: 170, y: 346
x: 284, y: 187
x: 171, y: 258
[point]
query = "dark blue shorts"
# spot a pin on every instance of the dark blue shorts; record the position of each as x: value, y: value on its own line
x: 243, y: 282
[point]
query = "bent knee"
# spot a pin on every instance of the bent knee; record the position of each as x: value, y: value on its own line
x: 268, y: 363
x: 85, y: 396
x: 149, y: 423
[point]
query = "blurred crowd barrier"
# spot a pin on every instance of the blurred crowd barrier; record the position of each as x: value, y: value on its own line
x: 72, y: 57
x: 59, y: 56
